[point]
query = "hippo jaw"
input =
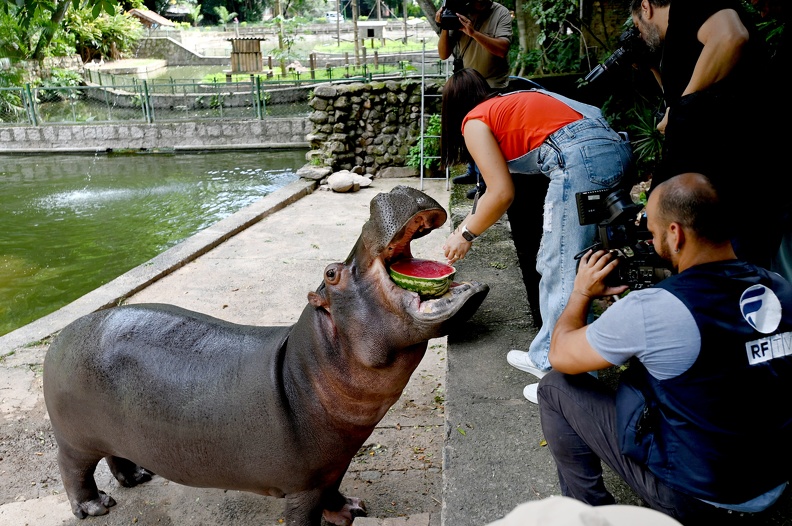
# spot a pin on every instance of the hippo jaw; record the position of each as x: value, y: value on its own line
x: 396, y: 219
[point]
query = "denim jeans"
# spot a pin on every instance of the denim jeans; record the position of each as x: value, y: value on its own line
x: 584, y: 155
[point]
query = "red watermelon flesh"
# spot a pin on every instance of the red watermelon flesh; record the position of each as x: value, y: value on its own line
x: 424, y: 276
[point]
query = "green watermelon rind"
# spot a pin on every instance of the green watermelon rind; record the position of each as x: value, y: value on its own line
x: 423, y: 286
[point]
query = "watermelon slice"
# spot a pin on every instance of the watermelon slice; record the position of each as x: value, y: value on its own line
x: 424, y: 276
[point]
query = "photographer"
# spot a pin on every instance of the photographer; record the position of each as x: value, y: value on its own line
x: 721, y: 107
x: 482, y: 40
x: 516, y: 137
x: 699, y: 423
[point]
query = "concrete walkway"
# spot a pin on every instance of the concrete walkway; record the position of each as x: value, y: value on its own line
x: 462, y: 447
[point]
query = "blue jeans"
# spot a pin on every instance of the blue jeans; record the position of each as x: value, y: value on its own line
x: 584, y: 155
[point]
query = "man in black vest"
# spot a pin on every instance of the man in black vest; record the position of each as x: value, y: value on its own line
x: 699, y: 425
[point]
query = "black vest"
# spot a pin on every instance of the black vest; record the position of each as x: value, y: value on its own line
x: 722, y: 430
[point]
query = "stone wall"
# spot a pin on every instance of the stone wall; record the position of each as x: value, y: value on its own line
x: 176, y: 54
x: 198, y: 135
x: 371, y: 126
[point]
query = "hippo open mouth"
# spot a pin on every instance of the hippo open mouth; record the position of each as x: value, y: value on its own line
x: 396, y: 219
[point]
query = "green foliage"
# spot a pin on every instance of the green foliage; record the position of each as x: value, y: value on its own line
x: 11, y: 105
x: 223, y: 15
x: 431, y: 146
x: 19, y: 40
x: 98, y: 37
x: 56, y: 87
x: 195, y: 14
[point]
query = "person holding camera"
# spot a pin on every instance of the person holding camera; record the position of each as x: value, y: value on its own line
x: 478, y: 33
x: 479, y: 37
x: 714, y: 71
x: 698, y: 426
x: 533, y: 133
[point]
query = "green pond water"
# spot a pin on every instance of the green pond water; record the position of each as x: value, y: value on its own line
x: 71, y: 223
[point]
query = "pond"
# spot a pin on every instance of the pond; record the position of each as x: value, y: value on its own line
x: 71, y: 223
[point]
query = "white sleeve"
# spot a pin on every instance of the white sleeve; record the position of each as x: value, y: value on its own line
x: 654, y: 326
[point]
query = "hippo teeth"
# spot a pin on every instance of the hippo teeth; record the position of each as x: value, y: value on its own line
x: 441, y: 303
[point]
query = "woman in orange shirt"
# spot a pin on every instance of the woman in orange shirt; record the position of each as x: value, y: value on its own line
x: 532, y: 133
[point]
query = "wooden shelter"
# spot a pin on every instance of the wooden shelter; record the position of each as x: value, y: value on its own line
x: 151, y: 19
x: 246, y: 54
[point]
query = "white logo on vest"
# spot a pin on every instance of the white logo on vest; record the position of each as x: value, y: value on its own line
x: 760, y: 308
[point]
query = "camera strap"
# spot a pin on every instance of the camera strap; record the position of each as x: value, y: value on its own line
x: 476, y: 26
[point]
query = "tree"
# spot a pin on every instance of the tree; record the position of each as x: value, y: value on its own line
x: 26, y: 10
x: 222, y: 13
x: 195, y: 14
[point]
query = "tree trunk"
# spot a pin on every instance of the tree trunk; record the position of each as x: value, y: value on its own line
x: 51, y: 28
x: 528, y: 31
x: 355, y: 31
x: 429, y: 10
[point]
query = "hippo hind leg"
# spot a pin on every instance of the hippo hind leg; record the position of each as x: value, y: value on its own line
x: 126, y: 472
x: 77, y: 472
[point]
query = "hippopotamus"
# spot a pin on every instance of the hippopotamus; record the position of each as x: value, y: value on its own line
x: 279, y: 411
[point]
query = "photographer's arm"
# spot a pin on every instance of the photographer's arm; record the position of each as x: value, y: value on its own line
x: 496, y: 46
x: 570, y: 351
x: 723, y: 36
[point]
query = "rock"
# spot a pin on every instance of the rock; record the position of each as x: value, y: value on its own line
x: 343, y: 181
x: 361, y: 180
x: 314, y: 172
x: 398, y: 171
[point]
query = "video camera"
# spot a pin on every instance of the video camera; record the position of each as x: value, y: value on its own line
x: 448, y: 19
x: 632, y: 49
x: 621, y: 229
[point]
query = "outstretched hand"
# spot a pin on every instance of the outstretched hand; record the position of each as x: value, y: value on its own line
x: 593, y: 269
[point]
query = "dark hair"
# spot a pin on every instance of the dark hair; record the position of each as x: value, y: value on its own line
x: 463, y: 91
x: 635, y: 5
x: 691, y: 200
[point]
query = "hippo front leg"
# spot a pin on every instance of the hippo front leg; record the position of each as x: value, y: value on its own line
x: 341, y: 510
x: 350, y: 508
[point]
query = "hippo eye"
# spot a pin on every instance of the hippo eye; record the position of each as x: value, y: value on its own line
x: 332, y: 274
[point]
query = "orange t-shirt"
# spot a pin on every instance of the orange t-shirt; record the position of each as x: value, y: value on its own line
x: 522, y: 121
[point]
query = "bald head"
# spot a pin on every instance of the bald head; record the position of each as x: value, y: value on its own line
x: 691, y: 200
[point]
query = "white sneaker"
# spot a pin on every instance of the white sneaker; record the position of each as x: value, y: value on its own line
x: 530, y: 393
x: 521, y: 361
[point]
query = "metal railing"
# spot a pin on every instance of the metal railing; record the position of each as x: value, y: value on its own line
x: 113, y: 98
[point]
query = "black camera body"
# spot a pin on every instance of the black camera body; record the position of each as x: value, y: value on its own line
x: 632, y: 49
x: 621, y: 229
x: 448, y: 19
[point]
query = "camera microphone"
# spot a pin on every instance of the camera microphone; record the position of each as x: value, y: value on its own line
x: 602, y: 68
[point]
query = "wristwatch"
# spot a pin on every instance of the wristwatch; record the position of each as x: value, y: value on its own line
x: 468, y: 235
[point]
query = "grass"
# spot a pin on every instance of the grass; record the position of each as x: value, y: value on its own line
x: 319, y: 74
x: 375, y: 44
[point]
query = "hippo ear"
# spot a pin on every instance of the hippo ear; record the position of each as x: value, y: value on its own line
x: 317, y: 300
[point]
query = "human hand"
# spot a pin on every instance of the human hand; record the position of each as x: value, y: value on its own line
x: 594, y: 267
x: 439, y: 14
x: 661, y: 126
x: 456, y: 247
x: 467, y: 25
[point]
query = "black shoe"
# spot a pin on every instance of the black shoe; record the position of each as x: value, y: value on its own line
x: 468, y: 178
x: 471, y: 194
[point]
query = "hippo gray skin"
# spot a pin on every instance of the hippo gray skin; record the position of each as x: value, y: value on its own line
x: 277, y: 411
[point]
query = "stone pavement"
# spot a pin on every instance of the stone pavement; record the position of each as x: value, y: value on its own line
x: 462, y: 447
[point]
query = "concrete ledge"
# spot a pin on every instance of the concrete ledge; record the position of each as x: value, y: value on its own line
x: 143, y: 275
